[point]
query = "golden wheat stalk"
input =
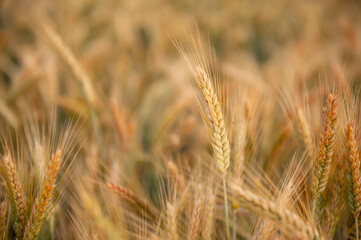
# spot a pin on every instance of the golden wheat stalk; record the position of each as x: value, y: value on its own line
x: 305, y: 132
x: 176, y: 176
x: 336, y: 203
x: 209, y: 212
x: 268, y: 227
x: 123, y: 124
x: 325, y: 151
x: 353, y: 173
x: 15, y: 194
x: 277, y: 148
x: 195, y: 221
x: 3, y: 220
x: 218, y: 132
x: 44, y: 201
x: 75, y: 65
x: 206, y: 74
x: 286, y: 219
x: 171, y: 221
x: 239, y: 146
x: 137, y: 202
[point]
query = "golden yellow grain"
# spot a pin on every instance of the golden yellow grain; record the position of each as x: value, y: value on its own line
x: 218, y: 132
x: 325, y: 150
x: 137, y: 202
x: 176, y: 176
x: 286, y: 219
x: 239, y: 145
x: 171, y: 221
x: 305, y: 132
x: 337, y: 203
x: 193, y: 230
x: 44, y: 201
x: 353, y: 171
x: 15, y: 194
x: 209, y: 214
x: 353, y: 174
x: 3, y: 209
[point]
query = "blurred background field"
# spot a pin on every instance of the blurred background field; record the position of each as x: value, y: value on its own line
x: 112, y: 67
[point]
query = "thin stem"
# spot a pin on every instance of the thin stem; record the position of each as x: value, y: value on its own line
x: 234, y: 224
x: 356, y: 223
x: 226, y: 208
x: 313, y: 207
x: 51, y: 227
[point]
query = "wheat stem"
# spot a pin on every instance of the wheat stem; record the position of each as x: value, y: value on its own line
x: 356, y: 223
x: 226, y: 208
x: 313, y: 207
x: 234, y: 224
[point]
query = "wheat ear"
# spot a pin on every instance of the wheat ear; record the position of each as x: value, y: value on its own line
x: 353, y: 174
x: 3, y: 220
x: 44, y: 201
x: 239, y: 146
x: 325, y: 151
x: 209, y: 212
x: 75, y: 65
x: 216, y: 123
x: 336, y: 204
x: 217, y: 131
x: 15, y: 194
x: 285, y: 218
x: 137, y: 202
x: 195, y: 221
x: 171, y: 221
x: 176, y: 176
x: 305, y: 132
x: 277, y: 148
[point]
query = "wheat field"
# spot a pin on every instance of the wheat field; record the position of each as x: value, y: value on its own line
x: 172, y: 120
